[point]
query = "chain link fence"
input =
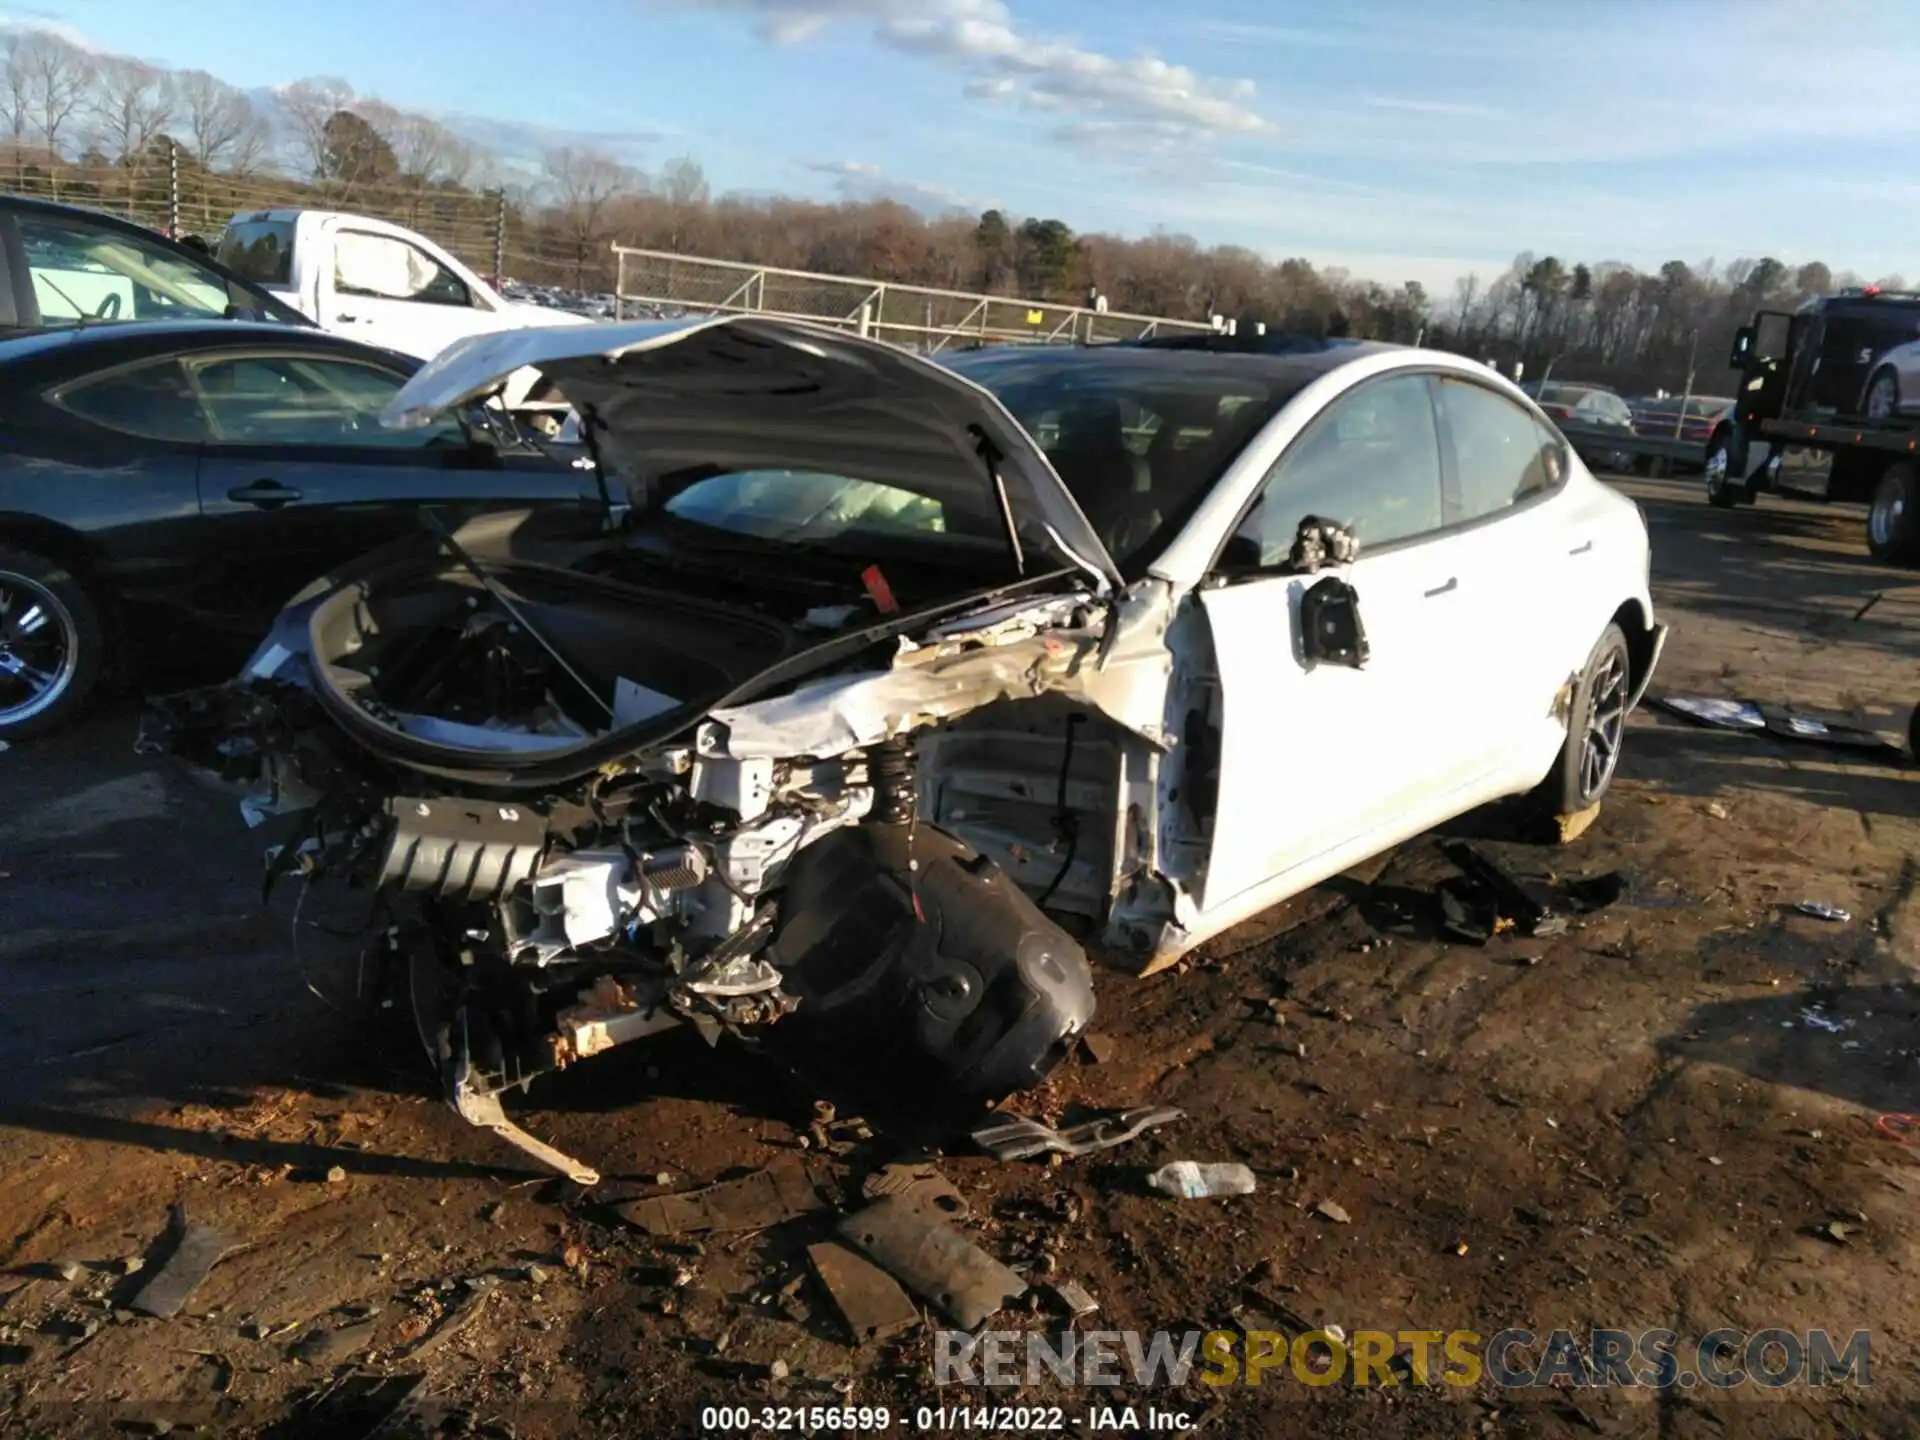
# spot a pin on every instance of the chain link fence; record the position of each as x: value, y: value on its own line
x: 176, y: 197
x: 172, y: 195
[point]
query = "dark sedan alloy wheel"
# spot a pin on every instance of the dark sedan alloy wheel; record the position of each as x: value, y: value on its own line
x: 1606, y: 724
x: 39, y: 649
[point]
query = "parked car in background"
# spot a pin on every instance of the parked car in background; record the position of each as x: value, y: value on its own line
x: 165, y: 487
x: 383, y: 284
x: 1675, y: 417
x: 893, y: 653
x: 64, y: 266
x: 1589, y: 405
x: 1893, y: 390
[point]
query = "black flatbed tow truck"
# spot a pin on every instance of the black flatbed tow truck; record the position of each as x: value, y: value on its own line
x: 1777, y: 439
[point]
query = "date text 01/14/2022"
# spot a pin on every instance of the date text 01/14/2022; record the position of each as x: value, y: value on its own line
x: 976, y: 1419
x: 1041, y: 1419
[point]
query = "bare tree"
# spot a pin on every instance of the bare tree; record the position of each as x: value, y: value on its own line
x: 57, y: 78
x: 308, y: 105
x: 131, y: 104
x: 584, y: 183
x: 16, y: 102
x: 421, y: 145
x: 684, y: 189
x: 215, y: 118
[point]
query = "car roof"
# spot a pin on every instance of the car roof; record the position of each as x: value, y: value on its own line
x: 1285, y: 371
x: 83, y: 347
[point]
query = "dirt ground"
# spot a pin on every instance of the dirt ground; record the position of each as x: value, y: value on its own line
x: 1664, y: 1118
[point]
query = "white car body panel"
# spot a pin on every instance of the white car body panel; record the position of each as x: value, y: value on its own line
x: 1904, y: 361
x: 421, y: 329
x: 1478, y: 633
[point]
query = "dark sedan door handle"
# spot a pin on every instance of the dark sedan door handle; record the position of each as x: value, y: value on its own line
x: 1446, y: 589
x: 264, y: 495
x: 1581, y: 549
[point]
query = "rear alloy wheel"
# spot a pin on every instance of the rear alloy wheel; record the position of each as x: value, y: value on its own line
x: 1894, y: 516
x: 1720, y: 490
x: 1596, y: 729
x: 50, y: 645
x: 1883, y: 397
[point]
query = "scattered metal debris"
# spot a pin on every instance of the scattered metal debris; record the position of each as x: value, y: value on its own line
x: 196, y: 1251
x: 1820, y: 910
x: 1071, y: 1298
x: 921, y: 1183
x: 1186, y: 1180
x: 752, y: 1202
x: 1783, y: 722
x: 1487, y: 899
x: 933, y: 1260
x: 1018, y: 1138
x: 1334, y: 1211
x: 870, y: 1303
x: 1814, y: 1018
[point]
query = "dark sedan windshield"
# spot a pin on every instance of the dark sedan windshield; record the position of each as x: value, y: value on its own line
x: 1138, y: 435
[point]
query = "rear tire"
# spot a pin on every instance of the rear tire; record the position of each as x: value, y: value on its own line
x: 52, y: 645
x: 1722, y: 494
x: 1596, y: 729
x: 1893, y: 516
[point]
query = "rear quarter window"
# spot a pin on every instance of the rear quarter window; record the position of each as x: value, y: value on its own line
x: 154, y: 401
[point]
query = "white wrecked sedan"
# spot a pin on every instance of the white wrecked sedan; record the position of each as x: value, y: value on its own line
x: 896, y: 676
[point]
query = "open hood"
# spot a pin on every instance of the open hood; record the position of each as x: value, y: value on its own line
x: 748, y: 393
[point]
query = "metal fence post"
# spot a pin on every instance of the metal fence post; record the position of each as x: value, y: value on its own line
x: 499, y: 234
x: 173, y: 191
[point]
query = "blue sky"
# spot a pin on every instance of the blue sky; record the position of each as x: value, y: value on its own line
x: 1402, y: 139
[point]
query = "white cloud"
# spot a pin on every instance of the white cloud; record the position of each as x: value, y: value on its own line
x: 861, y: 180
x: 24, y: 20
x: 1150, y: 97
x: 844, y: 167
x: 1414, y: 105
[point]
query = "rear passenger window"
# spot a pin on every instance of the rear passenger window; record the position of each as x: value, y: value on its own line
x: 152, y: 400
x: 1501, y: 453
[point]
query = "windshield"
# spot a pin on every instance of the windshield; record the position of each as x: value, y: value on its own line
x: 804, y: 506
x: 259, y: 250
x: 1139, y: 436
x: 81, y: 274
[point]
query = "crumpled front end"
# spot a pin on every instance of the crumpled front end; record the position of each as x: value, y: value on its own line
x: 552, y: 885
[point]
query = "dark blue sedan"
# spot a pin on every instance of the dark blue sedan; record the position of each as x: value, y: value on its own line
x: 166, y: 487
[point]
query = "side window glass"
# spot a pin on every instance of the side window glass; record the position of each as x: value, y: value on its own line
x: 82, y: 272
x: 1372, y: 462
x: 286, y: 400
x: 1502, y: 455
x: 390, y: 269
x: 154, y: 401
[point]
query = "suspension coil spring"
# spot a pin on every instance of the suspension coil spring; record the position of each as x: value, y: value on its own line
x: 893, y: 771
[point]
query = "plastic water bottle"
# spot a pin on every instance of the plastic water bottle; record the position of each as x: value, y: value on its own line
x: 1186, y: 1180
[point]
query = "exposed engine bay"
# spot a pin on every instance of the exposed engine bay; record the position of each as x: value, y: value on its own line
x: 604, y: 786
